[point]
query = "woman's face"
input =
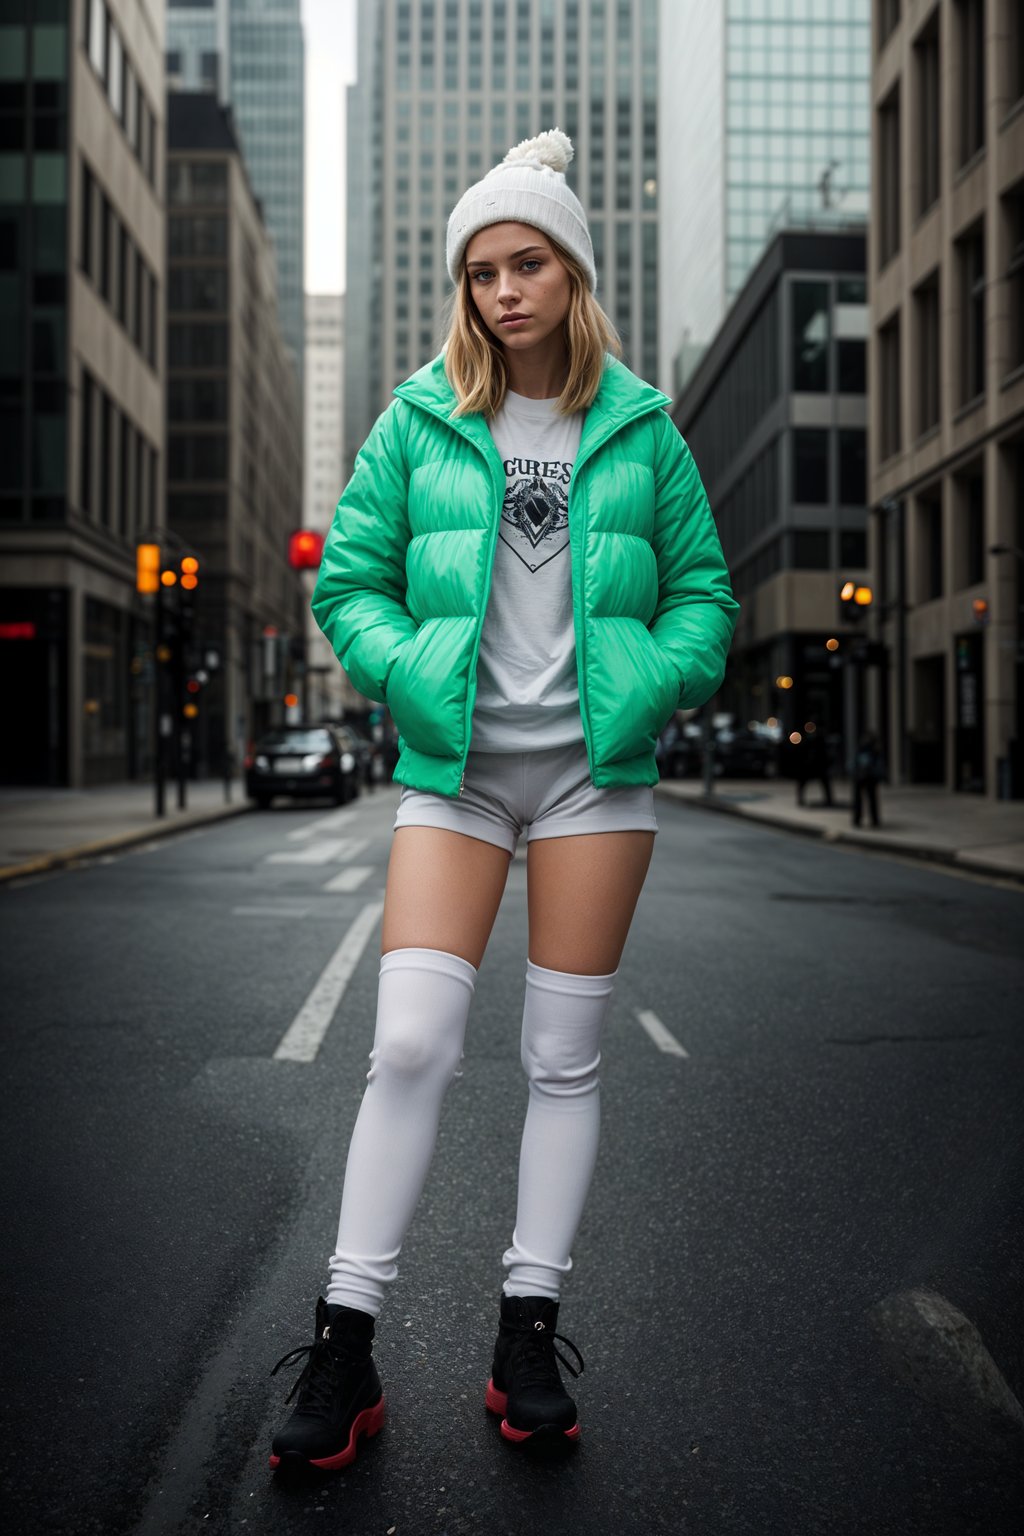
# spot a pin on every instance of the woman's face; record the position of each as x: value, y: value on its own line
x: 513, y: 271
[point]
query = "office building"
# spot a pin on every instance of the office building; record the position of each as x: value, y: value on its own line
x: 81, y: 382
x: 444, y: 88
x: 329, y: 690
x: 250, y: 54
x: 234, y: 434
x: 763, y: 122
x: 947, y: 387
x: 775, y: 416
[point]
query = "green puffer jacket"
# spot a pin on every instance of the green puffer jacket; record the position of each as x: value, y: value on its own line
x: 406, y: 574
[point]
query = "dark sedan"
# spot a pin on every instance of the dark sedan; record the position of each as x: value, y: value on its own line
x: 303, y: 760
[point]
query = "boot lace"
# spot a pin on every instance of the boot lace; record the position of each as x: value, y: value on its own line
x: 532, y: 1357
x: 319, y: 1376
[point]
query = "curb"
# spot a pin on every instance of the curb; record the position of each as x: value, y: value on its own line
x: 922, y: 851
x: 65, y: 857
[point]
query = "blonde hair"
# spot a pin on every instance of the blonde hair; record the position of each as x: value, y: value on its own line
x: 475, y: 363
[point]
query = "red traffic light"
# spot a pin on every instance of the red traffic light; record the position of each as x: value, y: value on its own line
x: 305, y: 549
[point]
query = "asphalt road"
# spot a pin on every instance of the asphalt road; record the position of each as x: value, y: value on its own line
x: 842, y: 1133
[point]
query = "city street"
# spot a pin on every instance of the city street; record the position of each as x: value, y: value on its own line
x: 811, y: 1110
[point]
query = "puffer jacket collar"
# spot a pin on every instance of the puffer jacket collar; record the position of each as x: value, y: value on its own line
x: 621, y: 398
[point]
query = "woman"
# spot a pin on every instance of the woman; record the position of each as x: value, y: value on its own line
x: 524, y: 565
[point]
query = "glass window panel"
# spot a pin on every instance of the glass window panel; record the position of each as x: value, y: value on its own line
x: 810, y: 466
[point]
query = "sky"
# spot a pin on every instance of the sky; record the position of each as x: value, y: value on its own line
x: 330, y: 31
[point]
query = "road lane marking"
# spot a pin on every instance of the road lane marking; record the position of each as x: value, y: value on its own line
x: 330, y: 851
x: 332, y: 823
x: 350, y: 879
x: 304, y: 1035
x: 269, y: 911
x: 663, y: 1038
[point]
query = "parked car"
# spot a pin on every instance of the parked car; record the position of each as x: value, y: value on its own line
x: 303, y: 760
x: 744, y: 754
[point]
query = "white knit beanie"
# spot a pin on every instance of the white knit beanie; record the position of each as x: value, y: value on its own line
x: 528, y: 187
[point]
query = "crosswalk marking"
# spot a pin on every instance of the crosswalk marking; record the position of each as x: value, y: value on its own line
x: 302, y: 1039
x: 662, y: 1037
x: 350, y: 879
x: 334, y: 822
x: 331, y: 850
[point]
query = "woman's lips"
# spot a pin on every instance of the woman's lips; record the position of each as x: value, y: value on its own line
x: 512, y: 321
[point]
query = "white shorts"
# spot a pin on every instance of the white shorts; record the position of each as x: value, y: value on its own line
x: 548, y: 793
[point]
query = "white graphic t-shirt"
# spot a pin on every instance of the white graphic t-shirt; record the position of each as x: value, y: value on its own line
x: 527, y: 690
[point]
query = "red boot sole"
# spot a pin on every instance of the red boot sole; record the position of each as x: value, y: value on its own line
x: 497, y: 1402
x: 370, y: 1422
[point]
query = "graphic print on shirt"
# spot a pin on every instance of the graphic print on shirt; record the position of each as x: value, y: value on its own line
x: 535, y: 514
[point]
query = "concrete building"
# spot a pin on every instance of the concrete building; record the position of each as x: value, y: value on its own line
x: 444, y: 88
x: 250, y: 54
x: 81, y: 383
x: 234, y: 436
x: 775, y: 416
x: 329, y: 690
x: 947, y: 387
x: 763, y: 122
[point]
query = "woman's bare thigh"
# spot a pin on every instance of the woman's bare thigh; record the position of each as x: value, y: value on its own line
x: 582, y: 893
x: 443, y: 892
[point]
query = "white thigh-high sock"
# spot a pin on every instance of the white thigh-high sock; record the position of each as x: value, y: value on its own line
x: 423, y: 1002
x: 562, y: 1019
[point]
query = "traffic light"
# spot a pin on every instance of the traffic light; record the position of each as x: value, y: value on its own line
x: 189, y: 573
x: 854, y: 602
x: 147, y: 567
x: 305, y: 548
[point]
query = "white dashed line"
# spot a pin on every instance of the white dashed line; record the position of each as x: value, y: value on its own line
x: 304, y: 1035
x: 663, y: 1038
x: 350, y: 879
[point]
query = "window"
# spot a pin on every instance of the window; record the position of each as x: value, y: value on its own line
x: 86, y: 448
x: 970, y: 76
x: 198, y: 288
x: 124, y: 261
x: 124, y: 499
x: 889, y: 177
x: 926, y: 323
x: 197, y: 345
x: 811, y: 549
x: 810, y: 466
x: 1013, y: 225
x: 853, y: 487
x: 85, y: 255
x: 853, y: 549
x: 209, y: 70
x: 970, y: 251
x: 851, y: 362
x: 1013, y: 14
x: 138, y: 299
x: 926, y: 66
x: 151, y: 339
x: 106, y: 510
x: 97, y: 25
x: 810, y: 336
x: 969, y: 492
x: 197, y: 399
x: 194, y: 457
x: 890, y: 434
x: 888, y: 16
x: 107, y: 220
x: 929, y: 547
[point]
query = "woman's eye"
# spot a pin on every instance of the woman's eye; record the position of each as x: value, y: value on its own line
x: 531, y: 261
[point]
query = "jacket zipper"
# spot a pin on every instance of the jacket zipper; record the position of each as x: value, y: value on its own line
x: 471, y: 680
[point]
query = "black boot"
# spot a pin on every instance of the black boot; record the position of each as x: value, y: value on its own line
x: 525, y: 1387
x: 340, y: 1396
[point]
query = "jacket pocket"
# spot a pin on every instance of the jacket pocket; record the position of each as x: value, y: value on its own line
x: 633, y: 687
x: 428, y: 684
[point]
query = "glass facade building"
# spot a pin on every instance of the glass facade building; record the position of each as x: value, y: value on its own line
x: 251, y: 54
x: 774, y: 132
x: 444, y: 88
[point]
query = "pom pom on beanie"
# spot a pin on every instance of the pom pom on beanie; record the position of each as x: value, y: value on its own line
x: 528, y: 187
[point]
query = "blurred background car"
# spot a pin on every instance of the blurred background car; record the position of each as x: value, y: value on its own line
x: 306, y: 760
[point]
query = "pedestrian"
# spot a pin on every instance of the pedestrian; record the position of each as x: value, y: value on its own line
x: 868, y: 772
x: 525, y: 568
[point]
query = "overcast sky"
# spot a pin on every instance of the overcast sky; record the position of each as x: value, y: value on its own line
x: 330, y: 30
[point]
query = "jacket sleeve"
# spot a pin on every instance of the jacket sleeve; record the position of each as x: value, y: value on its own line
x: 696, y: 612
x: 359, y: 597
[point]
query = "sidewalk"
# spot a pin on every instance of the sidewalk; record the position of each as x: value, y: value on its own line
x: 918, y: 821
x: 44, y: 829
